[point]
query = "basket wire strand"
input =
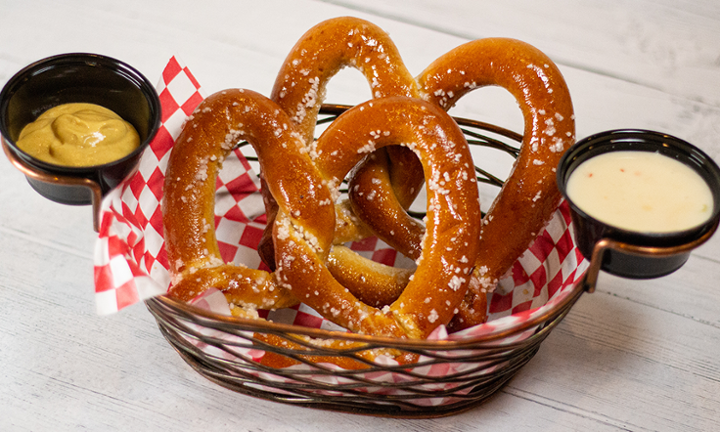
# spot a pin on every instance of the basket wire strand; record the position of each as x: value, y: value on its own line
x: 220, y: 347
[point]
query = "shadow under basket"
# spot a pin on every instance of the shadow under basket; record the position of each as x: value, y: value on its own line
x: 450, y: 376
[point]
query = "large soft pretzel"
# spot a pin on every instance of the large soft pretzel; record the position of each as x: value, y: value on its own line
x: 303, y: 229
x: 440, y: 280
x: 530, y: 195
x: 206, y: 140
x: 393, y: 181
x: 300, y: 89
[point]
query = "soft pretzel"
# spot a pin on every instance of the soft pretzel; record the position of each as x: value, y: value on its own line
x: 206, y: 140
x: 300, y: 89
x: 303, y: 229
x: 449, y: 245
x: 529, y: 197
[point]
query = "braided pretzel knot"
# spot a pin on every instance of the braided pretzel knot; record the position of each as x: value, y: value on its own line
x: 528, y: 198
x: 304, y: 223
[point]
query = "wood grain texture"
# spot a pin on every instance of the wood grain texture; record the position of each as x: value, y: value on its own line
x: 635, y: 355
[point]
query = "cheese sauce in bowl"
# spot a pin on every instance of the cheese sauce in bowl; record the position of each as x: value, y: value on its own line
x: 642, y: 189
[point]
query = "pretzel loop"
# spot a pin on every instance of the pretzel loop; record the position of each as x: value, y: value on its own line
x: 207, y: 139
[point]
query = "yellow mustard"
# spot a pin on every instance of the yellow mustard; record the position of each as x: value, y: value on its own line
x: 78, y: 134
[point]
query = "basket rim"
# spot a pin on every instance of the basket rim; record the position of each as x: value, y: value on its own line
x: 566, y: 300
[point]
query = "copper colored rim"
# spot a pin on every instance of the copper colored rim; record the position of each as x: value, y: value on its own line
x: 46, y: 177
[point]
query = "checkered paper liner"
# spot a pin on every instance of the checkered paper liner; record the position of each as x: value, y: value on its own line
x: 131, y: 265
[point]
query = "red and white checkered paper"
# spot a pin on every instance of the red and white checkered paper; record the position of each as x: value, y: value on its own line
x: 131, y: 263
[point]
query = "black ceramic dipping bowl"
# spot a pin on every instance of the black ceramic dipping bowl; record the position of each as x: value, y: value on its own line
x: 630, y: 254
x: 77, y: 77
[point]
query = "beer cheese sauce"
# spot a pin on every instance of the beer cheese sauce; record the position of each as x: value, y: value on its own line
x: 78, y: 135
x: 641, y: 191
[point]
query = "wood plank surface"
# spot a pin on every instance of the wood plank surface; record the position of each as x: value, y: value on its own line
x: 633, y: 356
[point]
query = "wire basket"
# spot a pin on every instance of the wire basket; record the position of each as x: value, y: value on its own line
x: 450, y: 376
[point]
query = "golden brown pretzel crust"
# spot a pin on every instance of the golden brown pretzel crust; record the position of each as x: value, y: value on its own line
x: 351, y: 271
x: 322, y: 52
x: 530, y: 196
x: 382, y: 208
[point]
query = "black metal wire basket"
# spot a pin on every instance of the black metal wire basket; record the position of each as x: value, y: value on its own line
x: 450, y: 376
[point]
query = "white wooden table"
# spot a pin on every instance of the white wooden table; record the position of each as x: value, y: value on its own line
x: 635, y: 355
